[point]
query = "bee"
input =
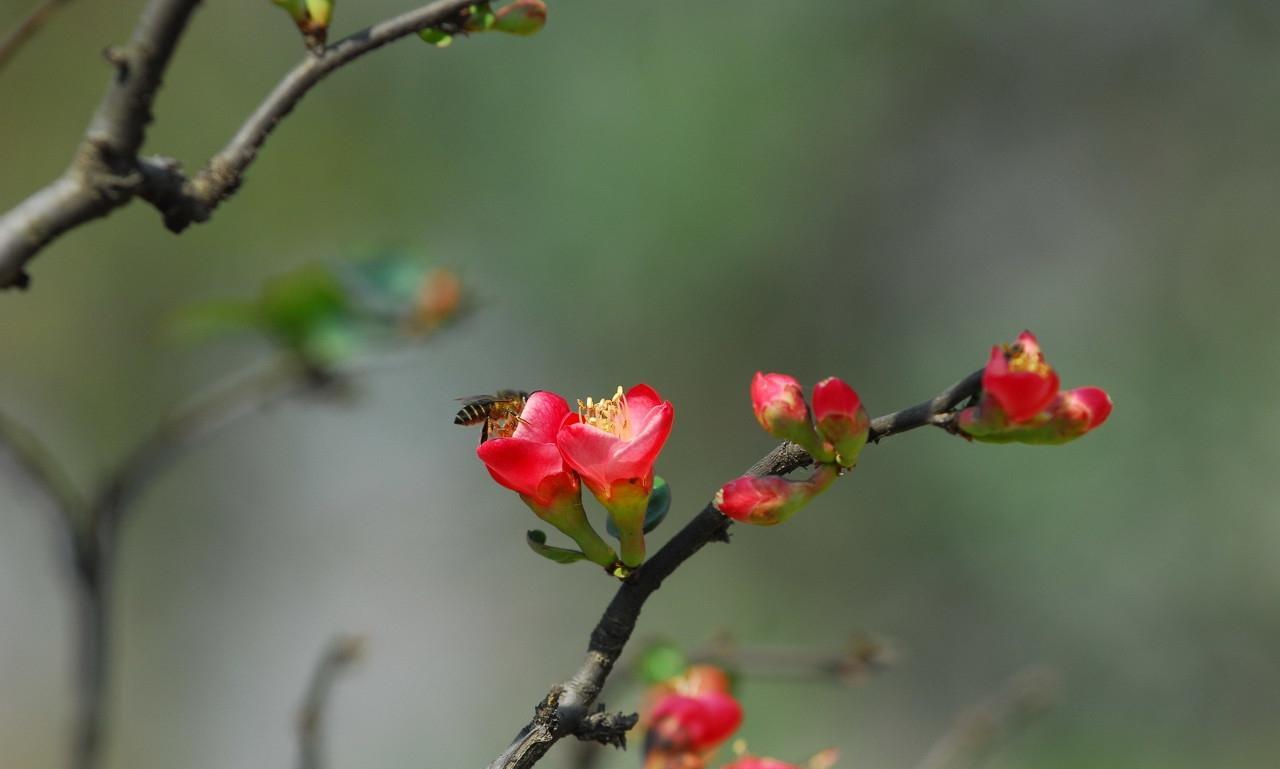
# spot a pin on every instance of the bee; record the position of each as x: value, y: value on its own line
x: 499, y: 412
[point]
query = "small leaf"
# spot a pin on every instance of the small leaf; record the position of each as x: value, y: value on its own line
x: 661, y: 662
x: 436, y: 37
x: 659, y: 505
x: 537, y: 541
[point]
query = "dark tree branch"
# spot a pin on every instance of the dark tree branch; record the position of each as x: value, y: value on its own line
x: 103, y: 174
x: 27, y: 28
x: 564, y: 709
x: 107, y: 172
x: 337, y: 658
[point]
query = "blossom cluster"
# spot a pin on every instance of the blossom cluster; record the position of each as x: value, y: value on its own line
x: 833, y: 434
x: 610, y: 446
x: 1021, y: 401
x: 687, y: 718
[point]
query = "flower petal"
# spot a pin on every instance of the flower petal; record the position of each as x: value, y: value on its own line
x: 519, y: 464
x: 588, y: 450
x: 540, y: 420
x: 634, y: 458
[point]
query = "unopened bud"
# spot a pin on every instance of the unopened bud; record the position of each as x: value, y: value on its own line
x: 841, y: 419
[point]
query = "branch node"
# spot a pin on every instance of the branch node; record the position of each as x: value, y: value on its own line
x: 606, y: 728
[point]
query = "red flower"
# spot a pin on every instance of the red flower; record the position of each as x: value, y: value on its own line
x: 528, y: 462
x: 841, y: 418
x: 684, y: 723
x: 617, y: 440
x: 1019, y: 380
x: 613, y: 445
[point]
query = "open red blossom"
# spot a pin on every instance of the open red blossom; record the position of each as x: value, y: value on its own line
x: 529, y: 462
x: 683, y: 723
x: 617, y: 440
x: 1019, y: 380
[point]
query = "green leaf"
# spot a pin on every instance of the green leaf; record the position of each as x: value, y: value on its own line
x: 537, y: 541
x: 436, y: 37
x: 661, y: 662
x: 659, y: 505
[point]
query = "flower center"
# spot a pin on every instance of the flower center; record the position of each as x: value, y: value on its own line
x: 608, y: 414
x: 1028, y: 359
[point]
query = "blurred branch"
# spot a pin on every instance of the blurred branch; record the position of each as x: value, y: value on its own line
x: 337, y: 657
x: 43, y: 471
x: 92, y: 528
x: 567, y: 704
x: 107, y: 172
x: 979, y: 728
x: 850, y: 665
x: 27, y: 28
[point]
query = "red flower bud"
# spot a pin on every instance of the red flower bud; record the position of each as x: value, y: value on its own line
x: 1071, y: 414
x: 1018, y: 379
x: 841, y: 419
x: 780, y: 408
x: 770, y: 500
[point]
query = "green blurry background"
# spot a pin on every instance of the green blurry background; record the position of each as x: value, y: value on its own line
x: 682, y: 193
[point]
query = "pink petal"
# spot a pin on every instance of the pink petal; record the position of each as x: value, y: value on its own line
x: 520, y: 465
x: 634, y: 458
x: 541, y: 418
x: 642, y: 399
x: 587, y: 449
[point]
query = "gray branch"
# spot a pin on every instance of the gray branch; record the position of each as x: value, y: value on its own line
x: 107, y: 171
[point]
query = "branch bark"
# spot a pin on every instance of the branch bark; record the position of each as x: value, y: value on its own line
x: 562, y: 711
x: 107, y: 171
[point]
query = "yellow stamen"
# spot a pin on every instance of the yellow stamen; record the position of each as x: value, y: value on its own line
x: 608, y: 414
x: 1021, y: 359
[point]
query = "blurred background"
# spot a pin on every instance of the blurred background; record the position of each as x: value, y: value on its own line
x: 681, y: 194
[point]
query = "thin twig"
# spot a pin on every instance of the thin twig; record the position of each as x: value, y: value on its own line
x: 979, y: 728
x: 97, y: 540
x: 561, y: 713
x: 107, y: 171
x: 27, y: 28
x: 336, y: 659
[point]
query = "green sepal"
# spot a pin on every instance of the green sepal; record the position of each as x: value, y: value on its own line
x: 658, y: 507
x: 537, y: 541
